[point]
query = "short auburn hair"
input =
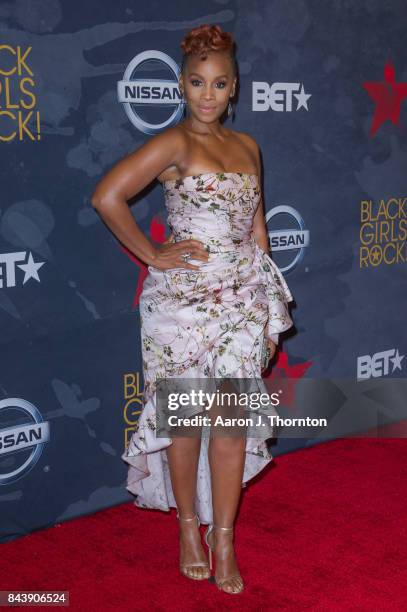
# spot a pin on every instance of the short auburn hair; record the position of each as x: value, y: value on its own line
x: 199, y: 41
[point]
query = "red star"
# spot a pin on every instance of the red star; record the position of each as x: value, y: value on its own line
x: 387, y: 95
x: 157, y: 233
x: 282, y: 370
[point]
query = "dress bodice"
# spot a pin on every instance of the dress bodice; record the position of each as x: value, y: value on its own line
x: 216, y: 208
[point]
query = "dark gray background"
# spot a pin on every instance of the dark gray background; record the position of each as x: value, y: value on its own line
x: 68, y: 341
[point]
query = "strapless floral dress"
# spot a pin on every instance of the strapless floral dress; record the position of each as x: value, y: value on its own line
x: 205, y: 323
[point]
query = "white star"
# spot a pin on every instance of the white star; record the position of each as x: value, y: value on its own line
x: 397, y: 361
x: 31, y: 268
x: 302, y: 98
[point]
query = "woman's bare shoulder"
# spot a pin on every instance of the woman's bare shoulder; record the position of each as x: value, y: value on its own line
x: 250, y: 145
x: 173, y: 136
x: 174, y: 139
x: 140, y: 167
x: 247, y: 139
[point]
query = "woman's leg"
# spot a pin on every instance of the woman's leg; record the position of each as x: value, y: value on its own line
x: 183, y: 457
x: 226, y: 460
x: 226, y: 456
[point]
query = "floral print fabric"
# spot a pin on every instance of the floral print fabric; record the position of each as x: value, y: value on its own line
x: 205, y: 323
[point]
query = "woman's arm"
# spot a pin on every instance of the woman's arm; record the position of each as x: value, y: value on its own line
x: 259, y: 230
x: 259, y: 223
x: 127, y: 178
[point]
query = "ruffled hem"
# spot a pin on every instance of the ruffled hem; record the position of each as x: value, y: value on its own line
x: 148, y: 477
x: 278, y: 296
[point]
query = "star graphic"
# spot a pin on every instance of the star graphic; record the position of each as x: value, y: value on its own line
x: 375, y: 255
x: 157, y: 234
x: 31, y: 268
x: 286, y: 374
x: 387, y: 95
x: 397, y: 361
x: 302, y: 98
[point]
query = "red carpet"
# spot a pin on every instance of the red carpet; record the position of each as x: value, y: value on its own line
x: 323, y: 528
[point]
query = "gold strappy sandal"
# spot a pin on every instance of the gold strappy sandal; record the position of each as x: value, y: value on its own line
x: 184, y: 567
x: 220, y: 583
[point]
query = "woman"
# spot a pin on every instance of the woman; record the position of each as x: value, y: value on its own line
x: 202, y: 319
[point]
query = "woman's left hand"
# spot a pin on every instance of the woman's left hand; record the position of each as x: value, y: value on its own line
x: 272, y: 347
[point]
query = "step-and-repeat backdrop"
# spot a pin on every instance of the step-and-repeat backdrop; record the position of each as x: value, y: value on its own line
x: 323, y: 89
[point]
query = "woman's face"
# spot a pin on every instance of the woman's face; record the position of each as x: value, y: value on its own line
x: 207, y: 85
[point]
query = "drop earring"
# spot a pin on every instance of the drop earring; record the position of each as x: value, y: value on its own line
x: 183, y: 102
x: 231, y: 110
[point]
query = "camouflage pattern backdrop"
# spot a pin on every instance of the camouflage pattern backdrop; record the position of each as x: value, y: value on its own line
x: 323, y: 89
